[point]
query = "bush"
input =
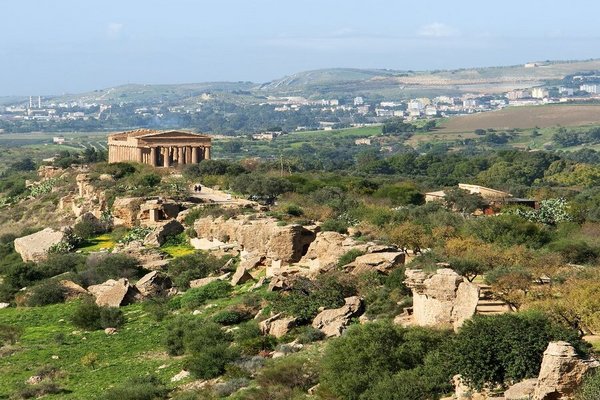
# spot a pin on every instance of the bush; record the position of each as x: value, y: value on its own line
x: 90, y: 316
x: 231, y: 317
x: 49, y: 292
x: 209, y: 350
x: 308, y: 334
x: 149, y: 180
x: 250, y: 339
x: 508, y: 347
x: 367, y: 354
x: 176, y: 331
x: 294, y: 210
x: 198, y: 296
x: 9, y: 334
x: 85, y: 229
x: 57, y: 264
x: 39, y: 390
x: 193, y: 266
x: 306, y: 297
x: 101, y: 267
x: 141, y: 388
x: 335, y: 225
x: 290, y: 372
x: 575, y: 251
x: 349, y: 257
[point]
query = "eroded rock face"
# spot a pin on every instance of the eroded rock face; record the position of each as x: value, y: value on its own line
x: 111, y: 293
x: 333, y: 322
x: 326, y: 250
x: 196, y: 283
x: 443, y: 299
x: 72, y: 290
x: 154, y: 284
x: 160, y: 234
x: 561, y: 372
x: 383, y: 262
x: 35, y: 247
x: 260, y: 236
x: 125, y: 210
x: 277, y: 325
x: 521, y: 390
x: 149, y: 258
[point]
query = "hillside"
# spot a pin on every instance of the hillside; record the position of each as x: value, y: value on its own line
x: 389, y: 84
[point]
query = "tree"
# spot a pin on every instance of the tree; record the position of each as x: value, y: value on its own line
x: 463, y: 201
x: 368, y: 354
x: 506, y: 348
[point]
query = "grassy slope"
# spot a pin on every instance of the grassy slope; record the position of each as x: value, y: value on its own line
x: 135, y: 350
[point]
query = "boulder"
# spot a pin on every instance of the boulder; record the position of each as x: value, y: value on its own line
x: 4, y: 305
x: 110, y: 331
x: 183, y: 374
x: 249, y: 263
x: 159, y: 235
x: 35, y: 247
x: 72, y: 290
x: 125, y: 210
x: 382, y: 262
x: 324, y: 253
x: 444, y: 299
x: 240, y: 276
x: 277, y: 325
x: 154, y: 284
x: 111, y: 293
x: 205, y: 281
x: 333, y: 322
x: 561, y: 372
x: 521, y: 390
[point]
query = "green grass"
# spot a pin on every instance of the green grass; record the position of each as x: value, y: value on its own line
x: 178, y: 250
x: 98, y: 243
x: 136, y: 350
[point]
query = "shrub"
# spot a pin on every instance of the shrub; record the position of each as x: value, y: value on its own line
x: 193, y: 266
x: 335, y: 225
x: 9, y: 334
x: 294, y: 210
x: 308, y: 334
x: 90, y: 316
x: 140, y: 388
x: 349, y: 257
x: 176, y: 331
x: 57, y: 264
x: 101, y: 267
x: 149, y: 180
x: 39, y: 390
x: 290, y: 372
x: 575, y: 251
x: 198, y: 296
x: 228, y: 388
x: 111, y: 317
x: 49, y: 292
x: 367, y: 354
x: 85, y: 229
x: 209, y: 350
x: 231, y: 317
x: 250, y: 339
x: 508, y: 347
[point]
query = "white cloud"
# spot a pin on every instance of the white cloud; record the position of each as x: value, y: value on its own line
x: 437, y: 30
x: 113, y: 30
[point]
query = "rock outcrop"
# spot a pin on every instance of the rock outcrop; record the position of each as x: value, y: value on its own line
x: 263, y: 237
x: 241, y: 276
x: 196, y: 283
x: 444, y: 299
x: 561, y: 372
x: 72, y: 290
x: 383, y: 262
x: 149, y: 258
x: 160, y: 234
x: 326, y: 250
x: 125, y: 210
x: 277, y: 325
x: 35, y: 247
x: 154, y: 284
x: 111, y: 293
x: 333, y: 322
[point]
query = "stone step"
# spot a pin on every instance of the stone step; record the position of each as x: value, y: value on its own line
x: 493, y: 302
x: 492, y: 309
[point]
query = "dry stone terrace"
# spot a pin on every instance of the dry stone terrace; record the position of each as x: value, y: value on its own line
x: 159, y: 148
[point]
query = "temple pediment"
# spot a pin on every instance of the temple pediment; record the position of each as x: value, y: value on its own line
x: 173, y: 135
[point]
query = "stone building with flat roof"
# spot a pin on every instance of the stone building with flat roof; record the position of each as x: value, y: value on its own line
x: 158, y: 148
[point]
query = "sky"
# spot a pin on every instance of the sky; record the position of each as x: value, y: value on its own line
x: 70, y: 46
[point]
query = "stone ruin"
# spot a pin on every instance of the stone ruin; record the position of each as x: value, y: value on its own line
x: 442, y: 299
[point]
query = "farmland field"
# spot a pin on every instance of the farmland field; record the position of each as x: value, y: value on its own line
x: 525, y: 117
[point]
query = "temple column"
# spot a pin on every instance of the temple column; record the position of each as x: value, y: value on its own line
x: 166, y: 156
x: 188, y: 154
x: 180, y: 156
x: 194, y: 155
x: 153, y: 156
x: 140, y: 155
x: 207, y: 153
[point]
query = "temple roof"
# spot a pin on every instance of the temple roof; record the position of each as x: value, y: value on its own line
x: 148, y: 133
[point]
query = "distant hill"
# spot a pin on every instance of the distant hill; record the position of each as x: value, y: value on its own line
x: 348, y: 82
